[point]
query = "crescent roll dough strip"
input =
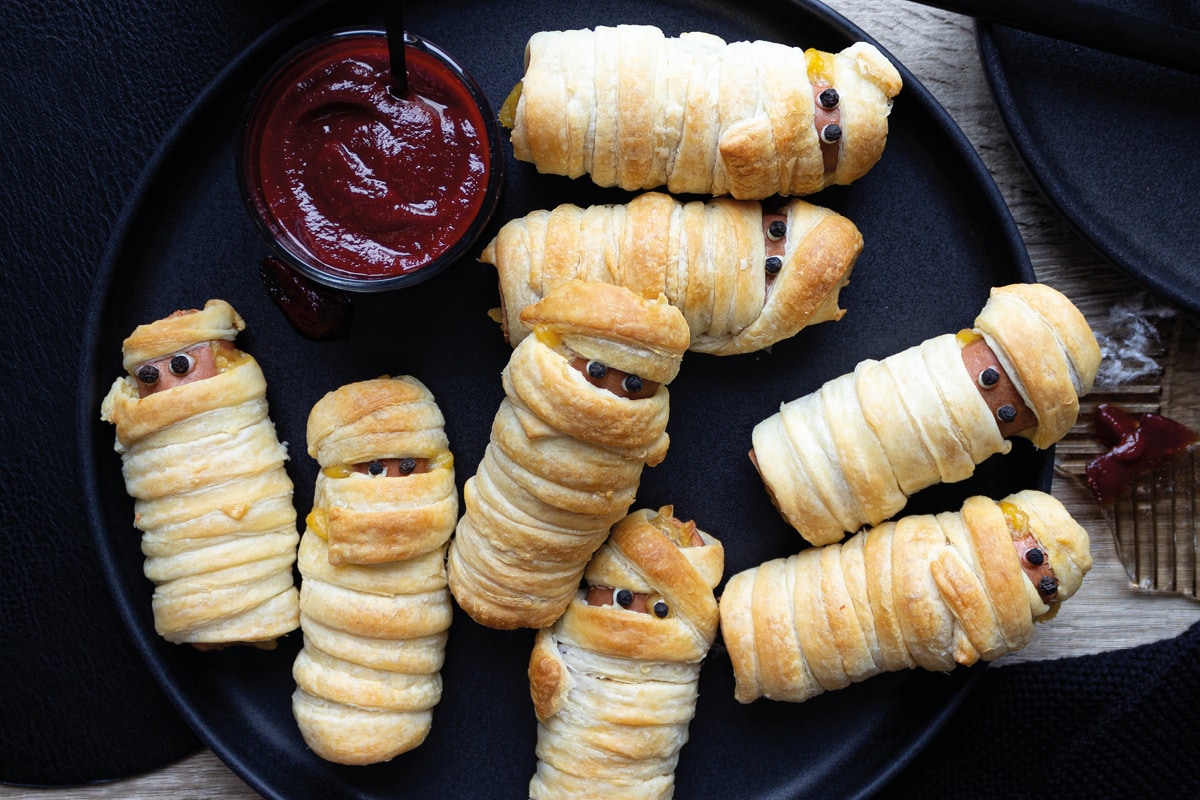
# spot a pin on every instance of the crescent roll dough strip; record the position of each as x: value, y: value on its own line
x: 708, y: 258
x: 634, y: 108
x: 932, y: 591
x: 565, y: 455
x: 205, y: 468
x: 375, y: 609
x: 614, y: 683
x: 851, y: 453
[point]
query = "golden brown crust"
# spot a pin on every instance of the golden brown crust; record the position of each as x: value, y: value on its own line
x: 866, y: 81
x: 851, y: 453
x: 179, y: 331
x: 1048, y: 349
x: 137, y: 418
x: 374, y: 600
x: 633, y: 108
x: 211, y: 496
x: 614, y: 688
x: 707, y: 258
x: 926, y: 590
x: 641, y: 335
x: 565, y: 456
x: 548, y: 683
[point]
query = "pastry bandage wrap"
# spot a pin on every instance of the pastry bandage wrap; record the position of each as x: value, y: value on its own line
x: 928, y: 591
x: 852, y: 452
x: 374, y: 606
x: 565, y: 457
x: 707, y: 258
x: 633, y: 108
x: 211, y: 495
x: 614, y: 689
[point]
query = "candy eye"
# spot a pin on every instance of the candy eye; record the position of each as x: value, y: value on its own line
x: 624, y: 598
x: 1035, y: 556
x: 1047, y: 586
x: 148, y: 374
x: 774, y: 265
x: 406, y: 465
x: 989, y: 377
x: 1006, y: 413
x: 596, y: 369
x: 831, y: 133
x: 776, y: 230
x: 632, y: 384
x: 182, y: 364
x: 376, y: 468
x: 661, y: 609
x: 829, y: 98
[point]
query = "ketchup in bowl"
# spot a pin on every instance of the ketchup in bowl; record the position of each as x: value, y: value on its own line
x: 360, y: 188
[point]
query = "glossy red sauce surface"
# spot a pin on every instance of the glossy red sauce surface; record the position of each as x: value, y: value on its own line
x: 1137, y: 444
x: 370, y: 184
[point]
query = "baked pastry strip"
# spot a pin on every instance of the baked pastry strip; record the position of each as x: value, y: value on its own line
x: 614, y: 680
x: 202, y: 461
x: 928, y: 591
x: 852, y: 452
x: 585, y: 409
x: 375, y: 609
x: 630, y: 107
x: 744, y: 277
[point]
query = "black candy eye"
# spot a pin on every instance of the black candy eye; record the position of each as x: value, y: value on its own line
x: 989, y: 377
x: 624, y: 598
x: 182, y: 364
x: 632, y: 384
x: 596, y: 369
x: 1047, y: 586
x: 376, y: 468
x: 407, y: 465
x: 1006, y: 413
x: 774, y: 265
x: 831, y: 133
x: 148, y: 374
x: 1035, y: 556
x: 776, y: 230
x: 829, y: 98
x: 661, y: 609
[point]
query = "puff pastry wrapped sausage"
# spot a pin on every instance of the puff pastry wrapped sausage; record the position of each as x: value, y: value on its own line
x: 743, y: 278
x: 929, y: 591
x: 614, y: 681
x: 202, y: 461
x: 634, y: 108
x: 374, y: 606
x: 585, y: 409
x: 852, y: 452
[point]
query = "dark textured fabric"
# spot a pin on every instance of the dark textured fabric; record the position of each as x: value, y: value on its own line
x: 1122, y: 724
x: 88, y: 88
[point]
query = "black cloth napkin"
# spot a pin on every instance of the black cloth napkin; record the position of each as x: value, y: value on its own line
x: 88, y: 88
x: 1122, y: 724
x: 87, y: 91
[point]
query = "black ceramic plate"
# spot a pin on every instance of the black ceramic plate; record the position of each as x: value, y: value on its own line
x: 1112, y: 142
x: 937, y: 234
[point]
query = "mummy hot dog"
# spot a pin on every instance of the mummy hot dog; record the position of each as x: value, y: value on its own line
x: 374, y: 606
x: 924, y: 591
x: 633, y: 108
x: 743, y: 278
x: 201, y: 460
x: 852, y: 452
x: 614, y: 681
x: 585, y: 409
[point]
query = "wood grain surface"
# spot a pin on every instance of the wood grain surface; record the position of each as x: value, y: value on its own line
x: 939, y: 48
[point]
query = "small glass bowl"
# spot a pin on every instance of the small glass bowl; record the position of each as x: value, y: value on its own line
x: 279, y: 223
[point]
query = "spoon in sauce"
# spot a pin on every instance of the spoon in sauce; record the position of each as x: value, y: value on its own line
x: 393, y: 23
